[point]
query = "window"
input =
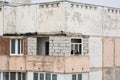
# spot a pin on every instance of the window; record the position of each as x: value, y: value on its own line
x: 76, y: 46
x: 76, y: 76
x: 47, y: 48
x: 13, y: 76
x: 45, y: 76
x: 16, y: 46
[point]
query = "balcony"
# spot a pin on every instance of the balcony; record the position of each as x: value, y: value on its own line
x: 57, y: 64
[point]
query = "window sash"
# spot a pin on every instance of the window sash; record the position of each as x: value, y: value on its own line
x: 44, y: 76
x: 16, y: 46
x: 13, y: 76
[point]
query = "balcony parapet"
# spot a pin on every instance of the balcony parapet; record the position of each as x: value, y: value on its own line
x: 57, y: 64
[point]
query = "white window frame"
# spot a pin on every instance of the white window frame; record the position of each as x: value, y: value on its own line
x: 78, y: 44
x: 44, y: 75
x: 16, y: 46
x: 16, y: 74
x: 77, y: 76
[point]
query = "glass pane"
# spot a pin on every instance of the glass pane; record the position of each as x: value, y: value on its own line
x: 72, y: 49
x: 80, y: 49
x: 79, y: 76
x: 5, y: 76
x: 23, y: 76
x: 13, y: 46
x: 41, y: 76
x: 12, y: 76
x: 47, y: 48
x: 21, y: 45
x: 76, y: 40
x: 73, y: 77
x: 19, y: 76
x: 54, y: 77
x: 18, y: 46
x: 48, y: 76
x: 35, y: 76
x: 76, y: 48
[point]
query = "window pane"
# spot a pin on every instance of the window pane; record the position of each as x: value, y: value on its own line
x: 13, y: 46
x: 47, y: 48
x: 23, y: 76
x: 76, y: 40
x: 80, y: 49
x: 5, y: 76
x: 54, y: 77
x: 18, y: 46
x: 12, y: 76
x: 73, y: 77
x: 21, y: 45
x: 19, y: 76
x: 72, y: 49
x: 41, y: 76
x: 79, y: 76
x: 48, y: 76
x: 35, y: 76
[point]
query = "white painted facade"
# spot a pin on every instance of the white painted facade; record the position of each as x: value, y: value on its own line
x: 1, y: 23
x: 95, y: 51
x: 95, y: 75
x: 62, y: 16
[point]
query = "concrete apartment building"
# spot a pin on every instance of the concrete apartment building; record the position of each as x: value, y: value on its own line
x: 59, y: 40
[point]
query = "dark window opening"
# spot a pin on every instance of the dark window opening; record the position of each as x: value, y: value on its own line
x: 47, y: 48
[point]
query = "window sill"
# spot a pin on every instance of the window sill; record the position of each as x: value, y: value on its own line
x: 16, y: 54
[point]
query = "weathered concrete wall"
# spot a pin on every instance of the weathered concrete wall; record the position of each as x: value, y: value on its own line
x: 62, y: 16
x: 95, y: 75
x: 40, y: 18
x: 58, y: 64
x: 111, y: 74
x: 3, y: 63
x: 84, y: 19
x: 95, y: 51
x: 9, y: 19
x: 1, y: 22
x: 108, y: 52
x: 60, y: 45
x: 76, y: 64
x: 32, y: 45
x: 117, y: 52
x: 111, y: 22
x: 17, y: 63
x: 21, y: 1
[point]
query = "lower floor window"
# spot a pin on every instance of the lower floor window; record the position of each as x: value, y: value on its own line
x: 12, y: 76
x: 76, y: 76
x: 45, y: 76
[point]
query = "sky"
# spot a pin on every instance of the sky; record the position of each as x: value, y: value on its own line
x: 110, y: 3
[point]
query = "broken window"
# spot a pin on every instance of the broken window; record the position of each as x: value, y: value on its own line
x: 76, y: 76
x: 76, y: 46
x: 13, y: 76
x: 16, y: 46
x: 44, y: 76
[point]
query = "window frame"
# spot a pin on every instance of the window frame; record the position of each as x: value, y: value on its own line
x: 16, y: 46
x: 51, y: 75
x: 77, y: 76
x: 9, y: 75
x: 78, y: 44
